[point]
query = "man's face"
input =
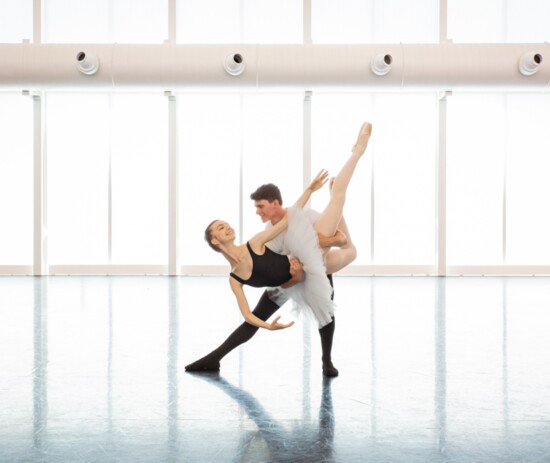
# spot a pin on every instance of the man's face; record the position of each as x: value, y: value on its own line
x: 265, y: 209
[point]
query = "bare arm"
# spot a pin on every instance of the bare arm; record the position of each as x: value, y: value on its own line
x: 258, y: 241
x: 249, y: 317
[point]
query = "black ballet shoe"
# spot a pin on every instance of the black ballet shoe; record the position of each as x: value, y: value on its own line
x: 329, y: 370
x: 203, y: 365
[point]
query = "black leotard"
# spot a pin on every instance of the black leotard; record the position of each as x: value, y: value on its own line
x: 268, y: 269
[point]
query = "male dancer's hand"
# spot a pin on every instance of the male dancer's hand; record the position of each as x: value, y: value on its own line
x: 296, y: 273
x: 275, y: 325
x: 337, y: 240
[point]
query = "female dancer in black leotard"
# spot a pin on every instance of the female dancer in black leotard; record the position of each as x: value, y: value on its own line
x: 254, y: 264
x: 247, y: 260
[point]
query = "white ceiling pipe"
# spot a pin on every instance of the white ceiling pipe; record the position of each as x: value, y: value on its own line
x: 173, y: 67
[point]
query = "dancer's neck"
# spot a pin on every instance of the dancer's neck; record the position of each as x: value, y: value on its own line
x: 233, y: 253
x: 278, y: 216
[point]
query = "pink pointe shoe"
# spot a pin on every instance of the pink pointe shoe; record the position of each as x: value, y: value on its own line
x: 362, y: 139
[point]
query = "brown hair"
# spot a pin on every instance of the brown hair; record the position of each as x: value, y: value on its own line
x: 268, y: 192
x: 208, y: 236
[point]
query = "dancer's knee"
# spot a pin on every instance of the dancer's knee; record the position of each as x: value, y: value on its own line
x: 352, y: 252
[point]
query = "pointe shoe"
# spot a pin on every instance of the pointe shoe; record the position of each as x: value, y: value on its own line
x: 362, y: 139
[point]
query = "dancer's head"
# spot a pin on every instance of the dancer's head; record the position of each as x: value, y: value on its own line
x: 218, y: 232
x: 268, y: 201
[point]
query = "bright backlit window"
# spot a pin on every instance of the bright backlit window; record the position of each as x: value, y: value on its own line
x: 493, y: 21
x: 239, y: 21
x: 359, y: 21
x: 209, y: 134
x: 528, y: 188
x: 15, y: 20
x: 16, y: 180
x: 105, y: 21
x: 78, y: 178
x: 475, y: 175
x: 139, y: 163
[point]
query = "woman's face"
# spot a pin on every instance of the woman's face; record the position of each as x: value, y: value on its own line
x: 222, y: 232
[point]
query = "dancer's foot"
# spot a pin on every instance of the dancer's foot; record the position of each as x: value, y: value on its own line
x: 362, y: 139
x: 329, y: 370
x: 203, y: 364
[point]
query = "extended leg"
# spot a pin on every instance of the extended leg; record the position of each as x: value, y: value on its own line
x: 330, y: 217
x: 211, y: 362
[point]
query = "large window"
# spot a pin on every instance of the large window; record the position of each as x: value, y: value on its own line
x: 497, y: 157
x: 209, y: 134
x: 107, y: 174
x: 404, y: 176
x: 475, y: 179
x: 16, y: 180
x: 239, y: 21
x: 105, y: 21
x: 528, y: 189
x: 78, y: 178
x: 15, y: 21
x: 359, y: 21
x: 493, y: 21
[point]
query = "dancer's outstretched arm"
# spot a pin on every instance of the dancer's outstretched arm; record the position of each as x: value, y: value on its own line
x: 237, y: 289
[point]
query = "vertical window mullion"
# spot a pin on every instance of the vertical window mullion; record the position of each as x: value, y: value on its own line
x: 173, y: 205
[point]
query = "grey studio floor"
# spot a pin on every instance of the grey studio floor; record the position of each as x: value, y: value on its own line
x: 431, y: 370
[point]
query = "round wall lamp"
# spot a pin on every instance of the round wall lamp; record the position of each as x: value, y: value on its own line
x: 87, y: 64
x: 234, y: 64
x: 530, y: 63
x: 381, y: 64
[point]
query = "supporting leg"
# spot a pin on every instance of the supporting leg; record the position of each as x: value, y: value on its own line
x: 211, y: 362
x: 327, y: 335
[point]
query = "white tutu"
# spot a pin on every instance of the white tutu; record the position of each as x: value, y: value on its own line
x: 311, y: 297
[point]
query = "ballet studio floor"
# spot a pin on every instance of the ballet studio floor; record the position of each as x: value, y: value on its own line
x: 431, y: 370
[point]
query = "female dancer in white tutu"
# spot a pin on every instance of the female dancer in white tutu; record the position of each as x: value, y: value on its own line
x: 256, y: 265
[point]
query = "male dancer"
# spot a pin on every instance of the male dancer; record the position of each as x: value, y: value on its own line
x: 268, y: 202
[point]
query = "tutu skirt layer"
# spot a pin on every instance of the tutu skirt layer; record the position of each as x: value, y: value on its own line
x: 311, y: 297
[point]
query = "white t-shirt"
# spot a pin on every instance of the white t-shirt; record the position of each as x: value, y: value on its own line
x: 277, y: 243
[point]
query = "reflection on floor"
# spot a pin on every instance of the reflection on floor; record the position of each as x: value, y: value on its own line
x: 431, y: 370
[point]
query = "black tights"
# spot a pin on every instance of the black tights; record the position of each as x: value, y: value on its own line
x: 265, y: 308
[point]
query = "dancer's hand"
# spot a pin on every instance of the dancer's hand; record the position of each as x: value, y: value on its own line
x: 296, y: 269
x: 275, y: 325
x: 296, y: 272
x: 319, y: 180
x: 337, y: 240
x: 316, y: 183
